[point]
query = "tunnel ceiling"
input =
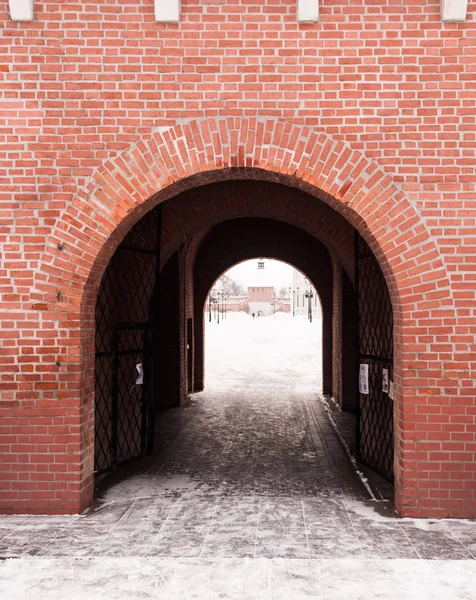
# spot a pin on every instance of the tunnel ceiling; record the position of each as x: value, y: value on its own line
x: 204, y: 208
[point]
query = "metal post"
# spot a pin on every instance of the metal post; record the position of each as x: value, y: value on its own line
x: 114, y: 396
x: 358, y: 411
x: 145, y: 388
x: 148, y: 373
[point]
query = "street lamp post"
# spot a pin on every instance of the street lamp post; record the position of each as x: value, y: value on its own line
x: 213, y: 302
x: 214, y: 305
x: 309, y: 295
x: 294, y: 292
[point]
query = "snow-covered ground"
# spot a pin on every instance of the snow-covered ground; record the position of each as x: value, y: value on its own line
x: 253, y: 498
x: 236, y: 579
x: 266, y: 349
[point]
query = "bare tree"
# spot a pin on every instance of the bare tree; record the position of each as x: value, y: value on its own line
x: 230, y: 286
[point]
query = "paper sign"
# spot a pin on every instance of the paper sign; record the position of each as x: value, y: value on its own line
x: 385, y: 380
x: 364, y: 379
x: 390, y: 391
x: 140, y: 378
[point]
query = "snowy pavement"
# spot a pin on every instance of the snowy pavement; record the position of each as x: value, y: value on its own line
x: 249, y: 495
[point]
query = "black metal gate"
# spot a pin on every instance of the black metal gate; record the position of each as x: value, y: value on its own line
x: 123, y: 405
x: 375, y: 350
x: 123, y: 410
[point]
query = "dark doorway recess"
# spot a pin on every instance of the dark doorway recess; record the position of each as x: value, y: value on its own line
x: 349, y: 359
x: 166, y: 339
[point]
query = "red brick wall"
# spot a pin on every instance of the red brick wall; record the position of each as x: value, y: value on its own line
x: 260, y: 294
x: 377, y: 104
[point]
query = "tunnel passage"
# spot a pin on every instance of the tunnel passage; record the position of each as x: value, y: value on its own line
x: 195, y: 237
x: 224, y: 246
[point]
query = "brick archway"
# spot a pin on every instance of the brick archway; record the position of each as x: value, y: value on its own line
x: 211, y: 150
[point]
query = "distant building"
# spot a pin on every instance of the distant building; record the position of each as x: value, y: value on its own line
x: 261, y: 298
x: 260, y: 294
x: 261, y: 301
x: 299, y: 303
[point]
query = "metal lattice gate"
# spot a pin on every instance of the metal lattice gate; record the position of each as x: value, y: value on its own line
x: 123, y: 406
x: 375, y: 444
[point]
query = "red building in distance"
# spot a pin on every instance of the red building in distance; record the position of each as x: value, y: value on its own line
x: 260, y: 294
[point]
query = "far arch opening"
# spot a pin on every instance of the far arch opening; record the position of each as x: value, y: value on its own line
x: 263, y: 321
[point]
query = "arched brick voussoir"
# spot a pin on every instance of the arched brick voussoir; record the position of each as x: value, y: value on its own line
x: 397, y: 236
x: 210, y: 150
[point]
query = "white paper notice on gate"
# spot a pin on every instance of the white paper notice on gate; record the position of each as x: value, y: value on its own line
x: 385, y: 380
x: 391, y: 393
x: 364, y: 379
x: 140, y: 377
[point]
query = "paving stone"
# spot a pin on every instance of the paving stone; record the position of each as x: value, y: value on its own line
x: 436, y: 542
x: 174, y: 540
x: 224, y: 542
